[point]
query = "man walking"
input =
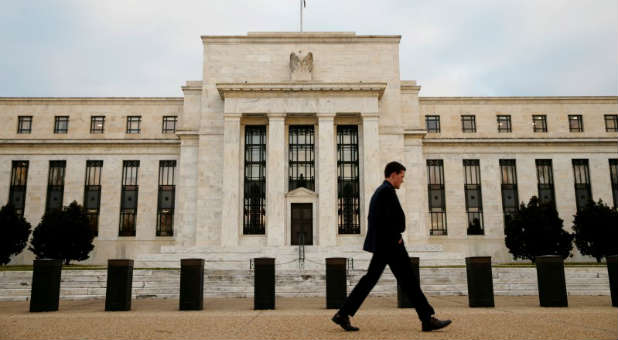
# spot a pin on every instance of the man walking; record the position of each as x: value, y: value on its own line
x: 386, y: 223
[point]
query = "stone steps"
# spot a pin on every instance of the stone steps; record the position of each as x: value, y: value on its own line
x: 86, y: 284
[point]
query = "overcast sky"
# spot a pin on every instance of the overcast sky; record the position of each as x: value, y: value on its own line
x: 451, y: 48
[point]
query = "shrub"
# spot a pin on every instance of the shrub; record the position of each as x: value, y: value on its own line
x: 596, y: 230
x: 535, y: 230
x: 15, y: 231
x: 63, y: 234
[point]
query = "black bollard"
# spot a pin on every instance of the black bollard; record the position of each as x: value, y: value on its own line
x: 336, y: 282
x: 45, y: 292
x: 191, y: 284
x: 612, y: 271
x: 402, y: 297
x: 551, y: 282
x: 480, y: 281
x: 119, y: 285
x: 264, y: 283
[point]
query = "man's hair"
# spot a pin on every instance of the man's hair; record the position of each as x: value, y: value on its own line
x: 395, y: 167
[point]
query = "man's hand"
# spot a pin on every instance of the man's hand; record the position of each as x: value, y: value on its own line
x: 400, y: 241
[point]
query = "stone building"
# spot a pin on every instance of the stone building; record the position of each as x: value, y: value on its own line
x: 277, y: 150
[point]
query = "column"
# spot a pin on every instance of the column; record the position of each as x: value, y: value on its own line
x: 373, y: 174
x: 327, y: 180
x: 187, y: 191
x: 231, y: 224
x: 275, y: 180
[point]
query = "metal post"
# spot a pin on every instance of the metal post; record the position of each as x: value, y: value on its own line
x: 191, y: 284
x: 336, y: 282
x: 264, y: 283
x: 45, y: 292
x: 119, y: 285
x: 551, y: 282
x: 480, y: 281
x: 402, y: 298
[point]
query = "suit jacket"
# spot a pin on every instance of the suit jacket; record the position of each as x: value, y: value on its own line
x: 386, y: 220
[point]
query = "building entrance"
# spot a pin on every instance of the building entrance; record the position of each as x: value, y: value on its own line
x: 302, y: 224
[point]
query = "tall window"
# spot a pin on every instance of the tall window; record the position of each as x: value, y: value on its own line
x: 169, y: 124
x: 613, y: 174
x: 539, y: 123
x: 92, y: 194
x: 24, y: 124
x: 255, y: 180
x: 165, y: 205
x: 128, y: 198
x: 437, y: 202
x: 545, y: 176
x: 611, y: 123
x: 55, y: 185
x: 468, y: 123
x: 576, y: 123
x: 504, y: 123
x: 510, y: 198
x: 432, y: 124
x: 97, y: 124
x: 474, y: 200
x: 133, y: 124
x: 301, y: 166
x: 348, y: 193
x: 17, y: 190
x: 581, y: 175
x: 61, y: 124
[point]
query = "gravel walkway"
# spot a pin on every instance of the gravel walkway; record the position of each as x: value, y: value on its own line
x: 587, y: 317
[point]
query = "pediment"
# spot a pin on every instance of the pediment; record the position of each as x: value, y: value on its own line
x: 301, y: 193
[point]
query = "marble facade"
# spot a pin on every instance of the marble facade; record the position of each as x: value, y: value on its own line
x: 254, y: 80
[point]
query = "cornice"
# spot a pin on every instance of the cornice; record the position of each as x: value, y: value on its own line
x: 91, y: 100
x: 300, y: 37
x: 611, y: 140
x: 519, y: 100
x: 294, y: 88
x: 50, y: 141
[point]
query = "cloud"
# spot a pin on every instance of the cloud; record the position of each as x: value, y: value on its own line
x: 452, y: 48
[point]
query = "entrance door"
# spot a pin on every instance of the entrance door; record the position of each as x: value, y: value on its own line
x: 302, y: 223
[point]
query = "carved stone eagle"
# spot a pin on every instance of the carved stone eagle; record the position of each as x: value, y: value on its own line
x: 301, y: 69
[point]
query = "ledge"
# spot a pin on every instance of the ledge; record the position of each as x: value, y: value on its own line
x: 89, y: 141
x: 519, y: 100
x: 286, y: 88
x: 98, y: 100
x: 521, y: 140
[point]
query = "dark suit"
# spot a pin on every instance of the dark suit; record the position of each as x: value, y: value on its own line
x: 386, y: 223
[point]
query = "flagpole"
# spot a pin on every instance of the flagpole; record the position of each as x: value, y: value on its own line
x: 301, y: 15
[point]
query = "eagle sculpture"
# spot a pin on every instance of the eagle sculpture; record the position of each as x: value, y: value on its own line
x: 301, y: 69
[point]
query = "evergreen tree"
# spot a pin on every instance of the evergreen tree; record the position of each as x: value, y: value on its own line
x: 63, y: 234
x: 15, y: 231
x: 535, y: 230
x: 596, y: 230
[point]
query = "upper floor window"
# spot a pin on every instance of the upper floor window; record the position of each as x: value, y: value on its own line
x: 61, y: 124
x: 24, y: 124
x: 504, y: 123
x: 169, y: 124
x: 539, y: 123
x: 301, y: 166
x: 611, y: 123
x: 576, y: 123
x: 97, y: 124
x: 468, y: 123
x: 432, y: 124
x: 133, y: 124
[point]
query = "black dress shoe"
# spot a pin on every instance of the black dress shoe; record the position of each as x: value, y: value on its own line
x: 432, y: 324
x: 344, y: 322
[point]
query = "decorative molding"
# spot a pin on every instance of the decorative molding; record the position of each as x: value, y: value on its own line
x: 519, y: 100
x: 295, y: 88
x: 97, y: 100
x: 300, y: 37
x: 611, y: 140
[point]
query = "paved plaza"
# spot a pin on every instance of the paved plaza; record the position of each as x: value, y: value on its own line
x: 587, y: 317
